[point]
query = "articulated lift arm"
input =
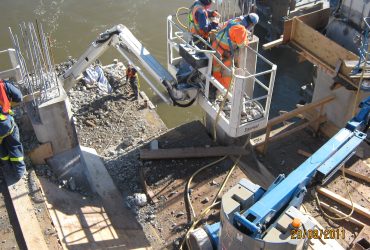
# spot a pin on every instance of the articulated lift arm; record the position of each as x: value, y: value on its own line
x: 319, y: 167
x: 128, y: 46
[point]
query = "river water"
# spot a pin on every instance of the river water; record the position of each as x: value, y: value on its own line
x: 73, y: 25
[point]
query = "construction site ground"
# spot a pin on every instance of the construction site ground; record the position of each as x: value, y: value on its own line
x: 165, y: 221
x: 118, y: 126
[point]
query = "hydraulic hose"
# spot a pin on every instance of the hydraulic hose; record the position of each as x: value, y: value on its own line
x: 169, y: 87
x: 177, y: 16
x: 197, y: 219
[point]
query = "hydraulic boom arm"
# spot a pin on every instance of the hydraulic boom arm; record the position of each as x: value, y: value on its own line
x: 127, y: 45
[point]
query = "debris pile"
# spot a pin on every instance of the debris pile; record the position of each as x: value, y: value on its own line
x: 108, y: 122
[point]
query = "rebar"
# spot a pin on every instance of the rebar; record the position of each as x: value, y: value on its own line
x: 37, y: 68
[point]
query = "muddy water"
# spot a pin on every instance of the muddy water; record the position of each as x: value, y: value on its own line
x: 73, y: 25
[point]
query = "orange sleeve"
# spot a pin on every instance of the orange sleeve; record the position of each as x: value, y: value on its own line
x: 239, y: 35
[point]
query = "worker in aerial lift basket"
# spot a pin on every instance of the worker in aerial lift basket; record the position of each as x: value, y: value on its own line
x: 202, y: 20
x: 233, y: 35
x: 11, y: 149
x: 132, y: 78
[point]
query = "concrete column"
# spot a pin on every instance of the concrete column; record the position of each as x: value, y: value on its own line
x: 339, y: 111
x: 248, y: 61
x: 56, y: 125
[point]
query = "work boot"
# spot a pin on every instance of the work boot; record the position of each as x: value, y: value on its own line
x: 19, y: 172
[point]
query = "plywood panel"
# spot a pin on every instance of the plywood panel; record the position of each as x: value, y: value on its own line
x: 317, y: 20
x: 39, y: 154
x: 320, y: 46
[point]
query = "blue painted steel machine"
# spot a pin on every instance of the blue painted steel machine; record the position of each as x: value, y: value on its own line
x: 254, y: 218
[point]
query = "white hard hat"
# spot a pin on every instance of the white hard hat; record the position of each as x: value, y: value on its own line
x: 254, y: 18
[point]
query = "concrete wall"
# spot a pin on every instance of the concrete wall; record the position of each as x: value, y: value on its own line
x: 339, y: 111
x: 343, y: 34
x: 355, y: 10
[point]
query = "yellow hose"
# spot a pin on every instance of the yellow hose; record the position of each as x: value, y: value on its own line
x: 177, y: 16
x: 191, y: 179
x: 215, y: 202
x: 350, y: 198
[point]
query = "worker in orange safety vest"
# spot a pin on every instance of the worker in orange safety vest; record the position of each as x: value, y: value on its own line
x: 132, y: 78
x: 233, y: 35
x: 202, y: 20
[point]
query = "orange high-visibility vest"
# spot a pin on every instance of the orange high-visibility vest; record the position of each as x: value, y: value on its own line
x: 4, y: 102
x: 193, y: 22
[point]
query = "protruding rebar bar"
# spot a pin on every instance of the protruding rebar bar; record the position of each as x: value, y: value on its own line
x: 37, y: 67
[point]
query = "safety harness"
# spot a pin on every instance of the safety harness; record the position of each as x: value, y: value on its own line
x: 226, y: 30
x: 194, y: 23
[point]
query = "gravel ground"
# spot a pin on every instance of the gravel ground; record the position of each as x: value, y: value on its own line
x: 116, y: 125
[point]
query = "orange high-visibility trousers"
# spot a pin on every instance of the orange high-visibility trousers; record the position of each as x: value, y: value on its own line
x: 220, y: 73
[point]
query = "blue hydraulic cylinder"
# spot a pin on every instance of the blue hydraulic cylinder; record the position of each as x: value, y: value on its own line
x: 213, y: 232
x: 332, y: 153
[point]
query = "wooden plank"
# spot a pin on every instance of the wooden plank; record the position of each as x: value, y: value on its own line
x: 303, y: 153
x: 285, y: 134
x: 300, y: 110
x: 41, y: 153
x: 312, y: 59
x: 357, y: 175
x: 321, y: 65
x: 25, y: 212
x: 340, y: 213
x: 199, y: 152
x: 345, y: 202
x: 352, y: 64
x: 260, y: 139
x: 318, y: 19
x: 146, y: 188
x: 366, y: 75
x: 272, y: 44
x: 321, y: 47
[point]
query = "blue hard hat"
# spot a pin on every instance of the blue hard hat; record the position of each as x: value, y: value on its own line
x: 207, y: 2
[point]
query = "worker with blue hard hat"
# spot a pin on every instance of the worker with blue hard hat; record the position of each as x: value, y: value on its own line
x: 233, y: 35
x: 11, y: 149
